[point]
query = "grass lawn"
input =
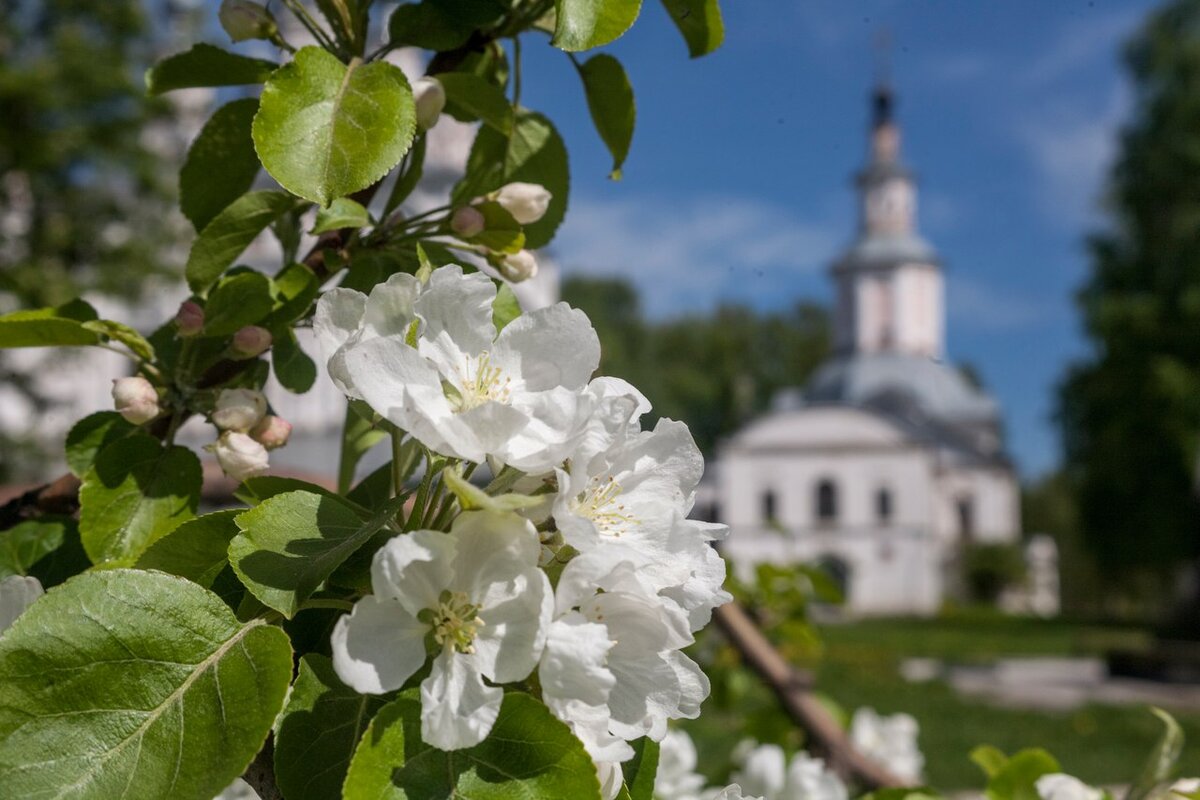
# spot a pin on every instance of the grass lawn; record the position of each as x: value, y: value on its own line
x: 1101, y: 744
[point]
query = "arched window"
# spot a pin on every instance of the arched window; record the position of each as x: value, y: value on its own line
x: 768, y: 506
x: 966, y: 518
x: 883, y: 505
x: 826, y: 501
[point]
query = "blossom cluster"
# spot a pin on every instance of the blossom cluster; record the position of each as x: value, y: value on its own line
x: 588, y: 585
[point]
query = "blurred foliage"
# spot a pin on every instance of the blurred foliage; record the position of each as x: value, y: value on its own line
x: 1048, y: 505
x: 713, y: 371
x: 990, y: 568
x: 1131, y: 411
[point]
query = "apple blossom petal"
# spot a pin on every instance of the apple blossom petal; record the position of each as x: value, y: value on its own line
x: 573, y: 665
x: 511, y: 640
x: 338, y: 316
x: 377, y: 646
x: 457, y: 708
x: 413, y: 569
x: 389, y: 307
x: 460, y: 306
x: 493, y: 548
x: 549, y: 347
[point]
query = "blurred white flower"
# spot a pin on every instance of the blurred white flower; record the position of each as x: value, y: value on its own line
x: 765, y: 771
x: 135, y: 399
x: 527, y: 202
x: 17, y: 593
x: 477, y: 592
x: 1058, y: 786
x: 240, y: 456
x: 239, y: 409
x: 889, y: 741
x: 676, y: 778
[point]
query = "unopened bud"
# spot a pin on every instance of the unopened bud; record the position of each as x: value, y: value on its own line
x: 519, y: 266
x: 250, y: 341
x: 430, y: 99
x: 240, y: 456
x: 135, y: 399
x: 527, y: 202
x: 244, y: 20
x: 239, y: 409
x: 189, y: 319
x: 467, y: 221
x: 272, y: 432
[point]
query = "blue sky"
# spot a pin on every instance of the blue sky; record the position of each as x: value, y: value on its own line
x: 737, y: 187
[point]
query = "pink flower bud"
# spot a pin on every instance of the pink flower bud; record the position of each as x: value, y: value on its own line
x: 467, y: 221
x: 519, y: 266
x: 239, y: 409
x: 135, y: 399
x: 527, y: 202
x: 430, y: 98
x: 189, y: 320
x: 251, y: 341
x: 244, y: 20
x: 272, y: 432
x: 240, y: 456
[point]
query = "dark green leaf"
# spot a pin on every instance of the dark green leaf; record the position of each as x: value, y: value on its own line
x: 254, y: 491
x: 294, y: 370
x: 221, y: 163
x: 318, y: 731
x: 342, y: 213
x: 359, y: 434
x: 1160, y: 763
x: 291, y: 543
x: 529, y: 754
x: 197, y: 550
x: 91, y: 435
x: 49, y: 327
x: 231, y: 232
x: 584, y: 24
x: 205, y: 65
x: 412, y: 168
x: 535, y: 153
x: 700, y: 23
x: 67, y: 561
x: 236, y: 301
x: 439, y: 24
x: 610, y: 100
x: 375, y: 489
x: 26, y: 543
x: 325, y: 130
x: 641, y: 769
x: 470, y: 98
x: 136, y: 492
x: 123, y: 683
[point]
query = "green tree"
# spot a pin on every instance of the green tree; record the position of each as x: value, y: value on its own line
x: 1131, y: 411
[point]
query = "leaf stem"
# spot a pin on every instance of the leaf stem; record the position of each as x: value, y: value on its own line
x: 516, y: 39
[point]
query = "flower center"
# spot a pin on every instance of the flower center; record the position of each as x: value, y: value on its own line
x: 599, y: 504
x: 479, y: 382
x: 455, y: 622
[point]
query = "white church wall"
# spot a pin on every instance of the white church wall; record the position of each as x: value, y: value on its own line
x: 994, y: 500
x: 918, y: 315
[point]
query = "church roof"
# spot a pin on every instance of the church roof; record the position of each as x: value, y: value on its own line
x: 880, y: 250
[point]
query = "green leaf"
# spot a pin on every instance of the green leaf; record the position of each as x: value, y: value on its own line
x: 318, y: 731
x: 506, y: 307
x: 411, y: 170
x: 373, y: 490
x: 700, y: 23
x: 291, y: 543
x: 529, y: 754
x: 26, y: 543
x: 294, y: 289
x: 470, y: 98
x: 610, y: 101
x: 66, y: 561
x: 501, y: 233
x: 197, y: 550
x: 584, y: 24
x: 990, y: 759
x: 205, y: 65
x: 326, y: 130
x: 439, y: 24
x: 471, y: 497
x: 236, y: 301
x: 1017, y: 779
x: 641, y: 769
x: 1160, y: 763
x: 535, y: 153
x: 120, y: 332
x: 124, y: 683
x: 221, y: 163
x: 49, y: 327
x: 360, y: 433
x: 136, y: 493
x: 261, y: 488
x: 294, y: 370
x: 231, y: 232
x: 342, y: 213
x: 91, y: 435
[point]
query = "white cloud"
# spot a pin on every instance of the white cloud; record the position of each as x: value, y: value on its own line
x: 691, y: 254
x: 975, y: 305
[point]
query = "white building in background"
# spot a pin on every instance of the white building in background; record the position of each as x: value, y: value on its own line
x: 889, y: 459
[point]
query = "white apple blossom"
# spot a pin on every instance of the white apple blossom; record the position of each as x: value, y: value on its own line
x: 767, y: 772
x: 17, y: 593
x: 458, y: 387
x: 677, y: 778
x: 239, y: 409
x: 478, y: 594
x: 240, y: 456
x: 527, y: 202
x: 1185, y: 786
x: 732, y: 792
x: 135, y: 399
x: 1059, y: 786
x: 890, y: 741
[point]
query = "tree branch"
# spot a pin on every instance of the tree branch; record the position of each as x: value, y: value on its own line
x: 793, y: 688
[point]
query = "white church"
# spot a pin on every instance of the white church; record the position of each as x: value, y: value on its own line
x: 888, y: 459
